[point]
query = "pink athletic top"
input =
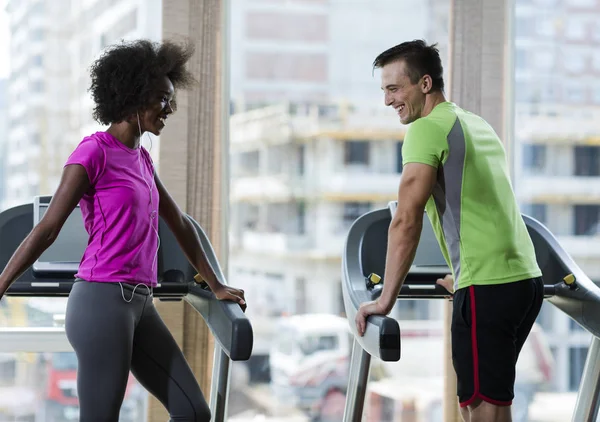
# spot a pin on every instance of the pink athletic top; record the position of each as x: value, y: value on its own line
x: 120, y: 211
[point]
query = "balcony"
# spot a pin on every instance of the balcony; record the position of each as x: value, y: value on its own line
x: 286, y: 122
x: 271, y: 188
x: 559, y: 190
x: 343, y: 186
x: 275, y: 243
x: 362, y: 186
x: 249, y: 129
x: 550, y: 123
x: 585, y: 250
x: 297, y: 246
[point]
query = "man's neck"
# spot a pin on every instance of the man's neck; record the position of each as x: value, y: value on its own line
x: 431, y: 101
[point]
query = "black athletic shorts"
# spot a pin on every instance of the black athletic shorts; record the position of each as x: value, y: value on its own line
x: 489, y: 327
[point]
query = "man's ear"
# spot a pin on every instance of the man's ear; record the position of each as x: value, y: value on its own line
x: 426, y: 84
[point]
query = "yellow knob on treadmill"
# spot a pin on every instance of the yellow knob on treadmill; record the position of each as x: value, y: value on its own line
x: 374, y: 278
x: 198, y: 278
x: 569, y: 279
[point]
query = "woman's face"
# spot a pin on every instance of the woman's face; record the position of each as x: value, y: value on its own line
x: 152, y: 118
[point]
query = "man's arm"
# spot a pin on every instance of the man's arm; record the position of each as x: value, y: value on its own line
x: 404, y: 232
x: 416, y: 186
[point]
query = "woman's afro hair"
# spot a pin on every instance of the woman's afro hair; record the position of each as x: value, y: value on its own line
x: 123, y: 78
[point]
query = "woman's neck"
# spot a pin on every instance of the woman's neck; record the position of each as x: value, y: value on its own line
x: 125, y: 133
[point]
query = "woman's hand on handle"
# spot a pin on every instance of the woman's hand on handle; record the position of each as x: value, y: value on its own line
x: 231, y: 293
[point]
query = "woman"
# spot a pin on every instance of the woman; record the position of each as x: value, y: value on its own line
x: 111, y: 321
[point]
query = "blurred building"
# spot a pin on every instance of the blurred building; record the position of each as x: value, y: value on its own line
x: 557, y: 133
x: 316, y: 51
x: 300, y: 177
x: 3, y: 137
x: 38, y: 92
x: 52, y: 45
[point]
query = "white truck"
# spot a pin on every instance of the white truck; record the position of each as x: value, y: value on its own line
x: 310, y: 357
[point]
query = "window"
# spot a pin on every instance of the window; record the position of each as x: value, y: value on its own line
x: 523, y: 26
x: 520, y: 58
x: 586, y: 219
x: 534, y: 157
x: 35, y: 139
x: 353, y: 210
x: 550, y: 93
x: 587, y: 161
x: 596, y: 32
x: 399, y: 157
x: 37, y: 61
x: 289, y: 66
x: 275, y: 294
x: 64, y: 361
x: 300, y: 295
x: 536, y: 211
x: 356, y: 152
x: 577, y: 357
x: 574, y: 92
x: 596, y: 95
x: 286, y: 26
x: 411, y: 310
x: 574, y: 29
x: 122, y: 27
x: 574, y: 61
x: 544, y: 60
x: 248, y: 164
x: 8, y: 369
x: 301, y: 159
x: 596, y: 61
x: 574, y: 326
x: 545, y: 27
x: 36, y: 34
x: 301, y: 213
x: 545, y: 318
x: 103, y: 41
x: 581, y: 3
x: 314, y: 344
x: 523, y: 92
x: 37, y: 86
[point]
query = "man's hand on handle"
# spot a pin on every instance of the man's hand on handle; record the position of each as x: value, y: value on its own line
x: 377, y: 308
x: 447, y: 283
x: 366, y: 309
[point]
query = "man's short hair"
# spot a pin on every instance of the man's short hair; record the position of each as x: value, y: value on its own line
x: 420, y: 59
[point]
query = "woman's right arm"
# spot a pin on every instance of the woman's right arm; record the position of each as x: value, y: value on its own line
x: 73, y: 185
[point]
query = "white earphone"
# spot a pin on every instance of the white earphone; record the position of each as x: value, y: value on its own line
x: 153, y: 214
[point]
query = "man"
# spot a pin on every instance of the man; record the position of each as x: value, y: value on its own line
x: 454, y: 168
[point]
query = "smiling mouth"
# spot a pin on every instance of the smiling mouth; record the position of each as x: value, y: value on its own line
x: 400, y: 109
x: 162, y: 119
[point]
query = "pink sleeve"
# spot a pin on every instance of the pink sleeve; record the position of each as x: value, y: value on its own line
x: 91, y: 156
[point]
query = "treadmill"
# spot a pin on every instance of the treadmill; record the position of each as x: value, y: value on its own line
x: 566, y: 286
x: 229, y: 325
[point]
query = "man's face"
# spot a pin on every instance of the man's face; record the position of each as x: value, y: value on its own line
x: 406, y: 98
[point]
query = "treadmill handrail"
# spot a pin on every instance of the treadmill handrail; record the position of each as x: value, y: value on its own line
x: 561, y: 254
x: 382, y: 334
x: 227, y: 322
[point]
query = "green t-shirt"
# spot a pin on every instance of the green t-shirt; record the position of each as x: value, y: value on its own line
x: 473, y: 209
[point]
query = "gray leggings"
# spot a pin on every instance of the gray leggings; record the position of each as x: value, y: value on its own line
x: 112, y: 336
